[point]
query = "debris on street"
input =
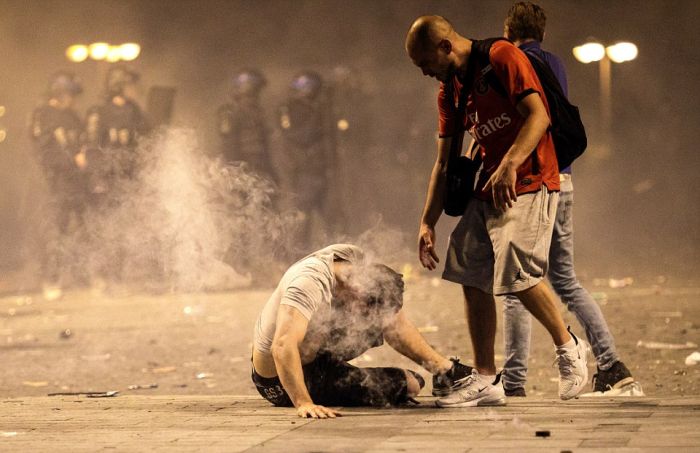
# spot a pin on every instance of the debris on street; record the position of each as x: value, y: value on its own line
x: 143, y: 386
x: 620, y: 283
x: 107, y: 394
x: 659, y: 345
x: 693, y: 359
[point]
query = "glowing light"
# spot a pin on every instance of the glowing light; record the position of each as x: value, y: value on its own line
x: 114, y: 54
x: 2, y: 110
x: 77, y: 53
x: 3, y: 135
x: 343, y: 125
x: 622, y: 51
x: 98, y: 50
x: 589, y: 52
x: 285, y: 122
x: 129, y: 51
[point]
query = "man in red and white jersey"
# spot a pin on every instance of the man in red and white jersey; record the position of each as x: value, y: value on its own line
x: 501, y: 244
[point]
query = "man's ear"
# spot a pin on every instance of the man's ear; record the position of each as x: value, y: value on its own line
x: 505, y: 32
x: 445, y: 45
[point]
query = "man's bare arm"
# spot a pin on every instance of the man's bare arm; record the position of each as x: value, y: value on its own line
x: 433, y: 206
x: 503, y: 181
x: 403, y: 336
x: 289, y: 333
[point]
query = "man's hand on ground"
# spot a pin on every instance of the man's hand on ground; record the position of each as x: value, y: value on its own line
x: 502, y: 186
x: 426, y: 247
x: 311, y: 410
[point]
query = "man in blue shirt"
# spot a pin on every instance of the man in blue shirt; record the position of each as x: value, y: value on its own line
x: 525, y: 26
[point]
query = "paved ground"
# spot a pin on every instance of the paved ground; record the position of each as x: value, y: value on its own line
x: 200, y: 343
x: 241, y: 423
x: 196, y: 348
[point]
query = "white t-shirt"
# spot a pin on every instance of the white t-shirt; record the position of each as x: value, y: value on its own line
x: 307, y: 286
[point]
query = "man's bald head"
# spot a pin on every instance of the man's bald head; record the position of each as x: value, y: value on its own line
x: 427, y: 32
x: 435, y: 47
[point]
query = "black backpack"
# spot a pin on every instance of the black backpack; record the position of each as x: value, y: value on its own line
x: 568, y: 132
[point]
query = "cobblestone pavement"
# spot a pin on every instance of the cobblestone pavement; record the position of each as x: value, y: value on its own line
x: 245, y: 423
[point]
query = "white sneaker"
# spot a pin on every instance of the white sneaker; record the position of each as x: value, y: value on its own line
x: 476, y: 391
x: 573, y: 369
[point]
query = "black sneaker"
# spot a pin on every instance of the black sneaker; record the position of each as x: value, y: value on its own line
x: 614, y: 378
x: 517, y: 391
x: 454, y: 379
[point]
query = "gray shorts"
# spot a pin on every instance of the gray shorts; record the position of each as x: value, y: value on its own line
x: 503, y: 252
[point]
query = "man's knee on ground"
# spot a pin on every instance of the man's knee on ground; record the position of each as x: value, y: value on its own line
x: 414, y: 383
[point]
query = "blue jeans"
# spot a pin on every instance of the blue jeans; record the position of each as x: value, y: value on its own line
x: 517, y: 321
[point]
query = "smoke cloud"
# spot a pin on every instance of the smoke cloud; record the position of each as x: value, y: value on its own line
x: 185, y: 222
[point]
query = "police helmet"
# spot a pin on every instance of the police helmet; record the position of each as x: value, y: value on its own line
x: 117, y: 78
x: 307, y: 84
x: 249, y: 81
x: 64, y: 82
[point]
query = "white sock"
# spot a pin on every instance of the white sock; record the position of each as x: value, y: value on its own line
x: 490, y: 378
x: 571, y: 344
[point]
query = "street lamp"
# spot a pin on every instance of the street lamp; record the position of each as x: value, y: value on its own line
x: 98, y: 50
x: 617, y: 53
x: 129, y: 51
x: 77, y: 53
x: 103, y: 51
x: 621, y: 52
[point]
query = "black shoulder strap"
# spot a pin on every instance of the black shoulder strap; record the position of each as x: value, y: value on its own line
x: 481, y: 49
x: 545, y: 73
x: 458, y: 115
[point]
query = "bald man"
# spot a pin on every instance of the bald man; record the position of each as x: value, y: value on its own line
x: 501, y: 243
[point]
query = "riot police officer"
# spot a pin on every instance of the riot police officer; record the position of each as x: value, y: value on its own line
x: 113, y: 130
x: 305, y: 125
x: 242, y: 126
x: 56, y: 131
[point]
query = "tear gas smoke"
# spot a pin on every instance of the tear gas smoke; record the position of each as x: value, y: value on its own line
x: 185, y: 220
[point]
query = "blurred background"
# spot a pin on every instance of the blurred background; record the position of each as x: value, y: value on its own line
x: 637, y: 208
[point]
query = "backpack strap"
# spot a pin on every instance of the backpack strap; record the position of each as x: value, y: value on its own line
x: 458, y: 114
x: 481, y: 49
x: 545, y: 73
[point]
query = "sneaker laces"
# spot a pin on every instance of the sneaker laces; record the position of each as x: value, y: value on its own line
x: 566, y: 358
x: 469, y: 379
x: 565, y: 362
x: 471, y: 390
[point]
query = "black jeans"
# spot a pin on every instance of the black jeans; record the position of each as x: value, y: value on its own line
x: 334, y: 382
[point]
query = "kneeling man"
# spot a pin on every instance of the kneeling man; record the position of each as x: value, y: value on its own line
x: 329, y: 308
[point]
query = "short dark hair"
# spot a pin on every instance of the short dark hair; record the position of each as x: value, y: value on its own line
x: 526, y: 20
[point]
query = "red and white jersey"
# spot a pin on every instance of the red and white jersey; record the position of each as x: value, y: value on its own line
x: 494, y: 122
